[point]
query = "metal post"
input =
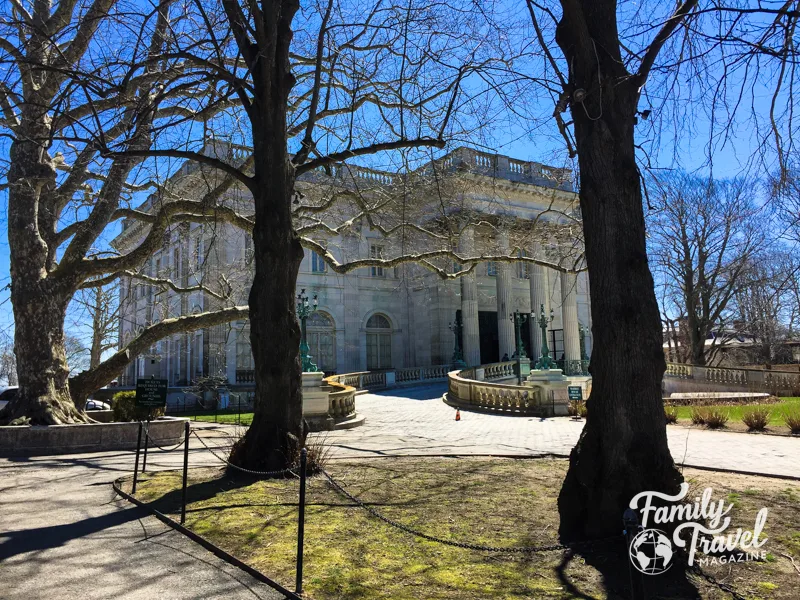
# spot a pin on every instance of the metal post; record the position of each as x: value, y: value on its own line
x: 146, y: 437
x: 301, y: 522
x: 136, y: 465
x: 185, y: 470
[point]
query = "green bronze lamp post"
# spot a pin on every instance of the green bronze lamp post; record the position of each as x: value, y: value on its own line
x: 519, y: 319
x: 304, y: 309
x: 458, y: 356
x: 545, y: 362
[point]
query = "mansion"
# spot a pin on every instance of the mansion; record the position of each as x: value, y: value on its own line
x: 376, y: 317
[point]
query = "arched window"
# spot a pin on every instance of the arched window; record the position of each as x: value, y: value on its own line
x: 322, y: 341
x: 379, y: 342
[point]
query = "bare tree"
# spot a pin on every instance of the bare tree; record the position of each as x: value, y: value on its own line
x: 67, y: 93
x: 703, y: 234
x: 670, y: 69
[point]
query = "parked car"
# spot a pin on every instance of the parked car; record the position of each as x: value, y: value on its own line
x: 97, y: 405
x: 7, y: 395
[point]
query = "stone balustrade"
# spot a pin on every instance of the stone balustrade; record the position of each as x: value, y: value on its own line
x: 775, y: 382
x: 484, y: 396
x: 500, y: 370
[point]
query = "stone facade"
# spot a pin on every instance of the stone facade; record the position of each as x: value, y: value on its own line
x: 372, y: 318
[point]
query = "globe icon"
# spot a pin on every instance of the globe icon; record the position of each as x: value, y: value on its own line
x: 651, y: 552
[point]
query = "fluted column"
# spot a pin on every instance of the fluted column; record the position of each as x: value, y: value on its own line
x: 470, y: 333
x: 540, y: 295
x: 569, y: 316
x: 505, y: 291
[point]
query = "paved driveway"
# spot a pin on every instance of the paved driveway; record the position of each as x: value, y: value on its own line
x: 416, y: 421
x: 63, y: 536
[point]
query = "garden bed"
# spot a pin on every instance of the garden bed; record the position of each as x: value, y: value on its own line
x: 499, y: 502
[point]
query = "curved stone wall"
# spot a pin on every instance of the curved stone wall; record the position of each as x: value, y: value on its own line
x: 29, y: 440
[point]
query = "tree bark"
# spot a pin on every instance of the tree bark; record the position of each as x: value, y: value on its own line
x: 623, y: 447
x: 275, y: 436
x: 39, y: 302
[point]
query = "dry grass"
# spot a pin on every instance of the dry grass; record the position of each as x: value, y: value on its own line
x: 351, y: 555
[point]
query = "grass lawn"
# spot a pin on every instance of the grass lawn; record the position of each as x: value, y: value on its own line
x: 245, y: 418
x: 777, y: 411
x: 500, y: 502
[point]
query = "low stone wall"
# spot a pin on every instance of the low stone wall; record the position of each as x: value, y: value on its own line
x: 717, y: 398
x: 93, y: 437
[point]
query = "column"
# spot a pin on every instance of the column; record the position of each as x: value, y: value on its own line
x: 470, y: 334
x: 540, y: 295
x: 569, y: 316
x: 505, y: 291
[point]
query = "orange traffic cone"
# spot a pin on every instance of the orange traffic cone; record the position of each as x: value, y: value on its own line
x: 458, y: 415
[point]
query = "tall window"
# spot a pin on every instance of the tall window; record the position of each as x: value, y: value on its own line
x: 248, y: 248
x: 522, y: 267
x: 376, y: 251
x: 176, y: 263
x: 491, y: 269
x: 244, y: 354
x: 322, y: 341
x: 379, y: 342
x: 317, y: 264
x: 198, y: 252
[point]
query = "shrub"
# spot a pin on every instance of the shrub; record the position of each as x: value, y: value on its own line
x: 699, y: 415
x: 792, y: 419
x: 671, y: 413
x: 716, y: 418
x: 124, y: 406
x: 756, y: 418
x: 576, y: 408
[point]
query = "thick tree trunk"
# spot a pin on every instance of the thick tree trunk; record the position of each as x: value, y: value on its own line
x: 623, y: 447
x: 39, y: 301
x: 275, y: 436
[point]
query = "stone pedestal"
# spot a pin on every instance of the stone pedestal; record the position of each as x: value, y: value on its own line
x: 524, y: 366
x: 315, y: 399
x: 552, y: 387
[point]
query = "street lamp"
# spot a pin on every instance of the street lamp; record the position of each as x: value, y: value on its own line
x: 304, y: 309
x: 545, y: 362
x: 519, y: 319
x: 458, y: 357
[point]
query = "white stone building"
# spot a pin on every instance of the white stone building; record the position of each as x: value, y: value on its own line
x: 374, y: 318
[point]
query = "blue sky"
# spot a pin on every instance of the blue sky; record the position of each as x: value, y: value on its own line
x: 684, y: 147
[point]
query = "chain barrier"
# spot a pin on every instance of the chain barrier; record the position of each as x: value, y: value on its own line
x: 291, y: 470
x: 155, y: 443
x: 467, y: 546
x: 695, y: 568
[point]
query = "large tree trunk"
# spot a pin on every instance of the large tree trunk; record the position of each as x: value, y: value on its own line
x: 276, y: 434
x: 623, y: 447
x: 39, y: 302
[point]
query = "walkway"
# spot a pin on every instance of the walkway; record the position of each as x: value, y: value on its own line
x: 63, y: 536
x: 416, y: 421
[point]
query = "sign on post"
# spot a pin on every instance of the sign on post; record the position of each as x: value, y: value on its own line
x: 151, y: 393
x: 575, y: 392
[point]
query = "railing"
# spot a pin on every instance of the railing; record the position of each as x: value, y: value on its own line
x: 527, y: 400
x: 245, y: 376
x: 757, y: 379
x: 573, y: 367
x: 421, y: 373
x: 342, y: 402
x: 501, y: 370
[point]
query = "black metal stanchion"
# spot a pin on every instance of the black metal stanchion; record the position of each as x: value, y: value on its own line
x: 146, y: 437
x: 301, y: 522
x: 136, y: 465
x: 185, y: 470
